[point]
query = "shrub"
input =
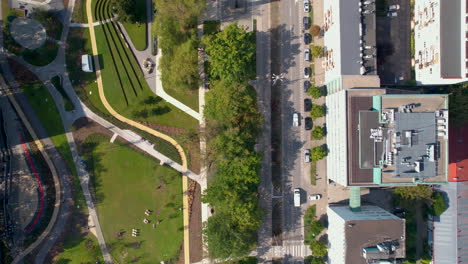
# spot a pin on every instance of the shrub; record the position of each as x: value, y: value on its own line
x: 317, y: 111
x: 318, y: 133
x: 438, y: 204
x: 318, y: 249
x: 317, y: 51
x: 315, y: 30
x: 315, y: 92
x: 318, y: 153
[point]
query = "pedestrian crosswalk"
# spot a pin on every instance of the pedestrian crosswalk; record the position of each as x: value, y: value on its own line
x: 291, y: 248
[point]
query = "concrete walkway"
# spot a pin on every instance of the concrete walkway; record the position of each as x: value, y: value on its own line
x: 97, y: 23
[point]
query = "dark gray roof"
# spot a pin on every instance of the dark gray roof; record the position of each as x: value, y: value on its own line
x: 367, y: 120
x: 422, y: 128
x: 349, y: 31
x: 450, y: 39
x: 350, y: 21
x: 369, y: 233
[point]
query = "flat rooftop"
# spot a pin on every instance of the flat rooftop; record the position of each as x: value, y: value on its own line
x: 396, y: 138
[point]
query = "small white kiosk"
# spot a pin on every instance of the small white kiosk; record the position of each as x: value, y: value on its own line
x: 87, y: 63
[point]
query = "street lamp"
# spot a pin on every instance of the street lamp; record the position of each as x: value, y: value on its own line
x: 277, y: 78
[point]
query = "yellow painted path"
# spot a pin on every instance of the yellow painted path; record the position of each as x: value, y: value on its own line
x: 141, y: 127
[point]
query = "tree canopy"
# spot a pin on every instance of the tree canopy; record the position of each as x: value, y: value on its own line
x: 438, y: 204
x: 418, y: 192
x: 317, y: 51
x: 318, y: 153
x: 318, y: 133
x: 181, y: 69
x: 315, y: 92
x: 126, y: 10
x: 317, y: 111
x: 318, y: 249
x: 232, y: 54
x: 232, y: 121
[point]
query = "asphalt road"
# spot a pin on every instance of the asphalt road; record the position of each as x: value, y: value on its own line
x: 294, y: 139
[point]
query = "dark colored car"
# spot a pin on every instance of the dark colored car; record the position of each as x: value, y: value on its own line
x: 307, y: 38
x: 306, y: 86
x: 307, y: 105
x: 308, y: 123
x: 306, y: 23
x: 307, y: 72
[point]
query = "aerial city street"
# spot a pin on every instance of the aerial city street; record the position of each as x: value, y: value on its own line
x: 233, y: 131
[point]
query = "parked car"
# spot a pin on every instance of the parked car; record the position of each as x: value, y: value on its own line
x: 307, y: 72
x: 306, y: 23
x: 306, y: 155
x: 306, y: 86
x: 313, y: 197
x: 392, y: 14
x: 297, y: 197
x: 306, y: 6
x: 307, y: 54
x: 308, y: 123
x: 394, y: 7
x: 307, y: 105
x: 307, y: 38
x: 295, y: 119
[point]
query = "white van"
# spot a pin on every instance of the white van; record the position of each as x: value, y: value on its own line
x: 297, y: 197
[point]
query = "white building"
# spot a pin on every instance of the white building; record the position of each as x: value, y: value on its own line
x: 87, y: 63
x: 440, y: 39
x: 349, y: 40
x: 368, y: 235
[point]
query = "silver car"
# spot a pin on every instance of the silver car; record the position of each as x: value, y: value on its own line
x: 307, y: 155
x: 307, y: 54
x: 295, y: 119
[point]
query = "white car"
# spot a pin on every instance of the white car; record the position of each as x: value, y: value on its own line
x: 314, y: 197
x: 394, y: 7
x: 297, y: 197
x: 306, y: 155
x: 392, y: 14
x: 306, y: 6
x: 295, y: 119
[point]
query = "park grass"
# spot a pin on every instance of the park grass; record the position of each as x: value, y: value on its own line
x: 132, y: 97
x: 42, y: 55
x: 137, y: 31
x: 126, y: 183
x: 67, y: 104
x: 84, y: 84
x: 46, y: 110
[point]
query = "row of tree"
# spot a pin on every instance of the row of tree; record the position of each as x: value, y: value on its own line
x: 176, y: 29
x: 233, y: 121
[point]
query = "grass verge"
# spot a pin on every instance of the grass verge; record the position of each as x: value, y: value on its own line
x: 68, y: 105
x: 79, y: 12
x: 313, y: 172
x: 119, y: 196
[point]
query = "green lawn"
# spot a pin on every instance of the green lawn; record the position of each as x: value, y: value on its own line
x: 127, y: 183
x: 68, y: 105
x: 313, y: 172
x: 137, y: 33
x: 44, y: 107
x: 126, y: 89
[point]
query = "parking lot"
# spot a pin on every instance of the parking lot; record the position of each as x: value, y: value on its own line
x: 393, y: 44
